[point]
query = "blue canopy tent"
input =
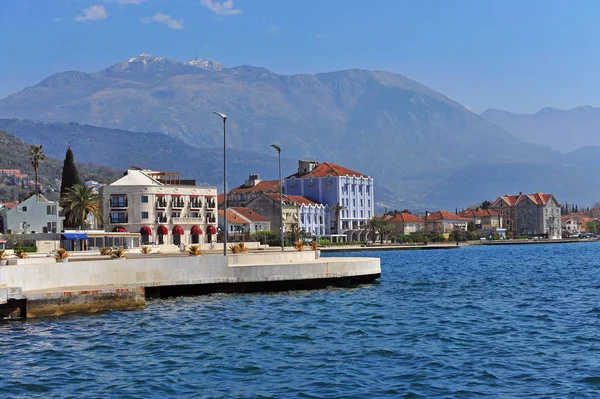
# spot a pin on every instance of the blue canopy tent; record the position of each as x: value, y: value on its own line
x: 77, y: 241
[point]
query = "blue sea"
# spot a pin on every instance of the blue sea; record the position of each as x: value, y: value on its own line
x: 495, y: 322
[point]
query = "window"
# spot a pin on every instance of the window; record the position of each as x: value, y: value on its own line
x: 311, y: 181
x: 145, y: 214
x: 293, y: 182
x: 24, y: 209
x: 362, y: 202
x: 48, y: 209
x: 194, y: 214
x: 144, y: 199
x: 175, y: 214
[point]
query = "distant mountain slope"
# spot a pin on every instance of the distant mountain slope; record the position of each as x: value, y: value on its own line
x: 14, y: 155
x: 122, y: 149
x: 384, y: 124
x: 560, y: 130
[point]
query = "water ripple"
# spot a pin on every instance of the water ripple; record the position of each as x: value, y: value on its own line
x: 514, y: 321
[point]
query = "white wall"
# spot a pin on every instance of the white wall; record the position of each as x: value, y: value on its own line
x: 185, y: 270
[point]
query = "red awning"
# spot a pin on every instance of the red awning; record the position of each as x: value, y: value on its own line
x: 212, y: 230
x: 194, y: 196
x: 178, y: 230
x: 120, y: 230
x: 146, y: 231
x: 210, y: 196
x: 162, y: 230
x: 175, y: 195
x: 160, y: 195
x: 196, y: 230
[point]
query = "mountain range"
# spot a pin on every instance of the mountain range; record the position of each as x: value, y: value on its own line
x: 561, y: 130
x: 420, y: 145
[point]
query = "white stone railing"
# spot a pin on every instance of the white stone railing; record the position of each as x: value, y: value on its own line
x: 185, y: 220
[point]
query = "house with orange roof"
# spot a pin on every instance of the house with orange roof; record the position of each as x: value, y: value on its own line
x: 347, y: 194
x: 530, y: 214
x: 406, y: 223
x: 483, y: 219
x: 241, y: 222
x: 252, y: 188
x: 444, y: 222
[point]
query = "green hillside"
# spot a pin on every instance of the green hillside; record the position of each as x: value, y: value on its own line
x: 14, y: 155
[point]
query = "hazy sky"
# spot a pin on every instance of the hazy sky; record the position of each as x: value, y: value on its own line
x: 515, y: 55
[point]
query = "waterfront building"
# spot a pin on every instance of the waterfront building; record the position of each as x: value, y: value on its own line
x: 34, y: 215
x: 406, y: 223
x: 252, y: 188
x: 483, y: 219
x: 444, y: 222
x: 161, y: 207
x: 241, y: 222
x: 530, y: 214
x: 336, y: 186
x: 298, y: 211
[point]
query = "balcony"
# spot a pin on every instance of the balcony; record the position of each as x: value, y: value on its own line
x: 186, y: 220
x: 211, y: 204
x: 118, y: 203
x: 177, y: 203
x: 162, y: 219
x: 195, y: 204
x: 118, y: 220
x: 211, y: 219
x: 161, y: 203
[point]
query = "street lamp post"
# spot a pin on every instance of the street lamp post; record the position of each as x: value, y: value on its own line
x: 280, y: 192
x: 224, y: 117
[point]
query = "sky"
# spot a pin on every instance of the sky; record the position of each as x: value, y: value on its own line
x: 518, y: 56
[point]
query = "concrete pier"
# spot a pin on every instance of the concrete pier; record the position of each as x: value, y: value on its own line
x: 96, y: 285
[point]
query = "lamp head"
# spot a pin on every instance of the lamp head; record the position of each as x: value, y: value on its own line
x: 276, y: 147
x: 222, y: 115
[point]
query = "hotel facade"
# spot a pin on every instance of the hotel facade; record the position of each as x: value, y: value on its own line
x: 161, y: 207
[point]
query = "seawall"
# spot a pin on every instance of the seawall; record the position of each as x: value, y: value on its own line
x: 95, y: 285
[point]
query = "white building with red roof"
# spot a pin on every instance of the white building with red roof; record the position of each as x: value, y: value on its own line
x: 336, y: 187
x: 530, y: 214
x: 252, y: 188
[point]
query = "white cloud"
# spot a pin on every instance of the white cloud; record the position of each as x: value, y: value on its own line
x: 273, y: 30
x: 164, y: 19
x: 319, y: 36
x: 93, y: 13
x: 221, y: 7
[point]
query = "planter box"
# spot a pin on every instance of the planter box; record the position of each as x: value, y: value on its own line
x: 62, y: 260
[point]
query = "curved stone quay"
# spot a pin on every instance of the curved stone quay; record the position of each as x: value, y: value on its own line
x: 39, y: 289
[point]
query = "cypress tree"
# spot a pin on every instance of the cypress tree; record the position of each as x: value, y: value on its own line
x: 70, y: 175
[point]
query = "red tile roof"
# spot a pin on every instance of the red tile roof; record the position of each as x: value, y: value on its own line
x: 406, y: 218
x: 328, y: 168
x: 250, y: 214
x: 232, y: 217
x: 11, y: 205
x: 220, y: 200
x: 537, y: 198
x: 444, y: 215
x: 479, y: 213
x: 266, y: 186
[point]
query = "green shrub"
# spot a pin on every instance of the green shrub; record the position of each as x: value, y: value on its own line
x: 324, y: 241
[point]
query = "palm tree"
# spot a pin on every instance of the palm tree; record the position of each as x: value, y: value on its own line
x: 36, y: 155
x: 374, y: 225
x: 337, y: 210
x: 81, y: 201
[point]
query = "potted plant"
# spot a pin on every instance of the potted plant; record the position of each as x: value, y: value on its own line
x: 118, y: 253
x: 299, y: 245
x: 61, y: 255
x: 21, y: 253
x: 3, y: 257
x: 105, y: 251
x: 194, y: 250
x: 145, y: 250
